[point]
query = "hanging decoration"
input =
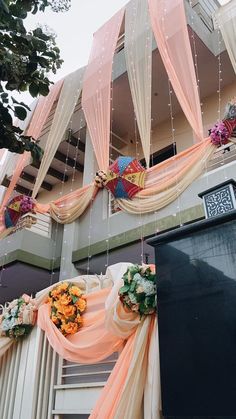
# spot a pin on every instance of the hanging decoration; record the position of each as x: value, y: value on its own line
x: 18, y: 206
x: 138, y: 293
x: 18, y: 317
x: 125, y: 177
x: 66, y: 307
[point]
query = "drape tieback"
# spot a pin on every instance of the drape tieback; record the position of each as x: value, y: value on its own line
x: 100, y: 179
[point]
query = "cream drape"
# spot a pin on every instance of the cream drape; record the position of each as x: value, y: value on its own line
x: 170, y: 29
x: 96, y: 94
x: 69, y: 95
x: 166, y: 181
x: 138, y: 56
x: 226, y: 18
x: 67, y: 213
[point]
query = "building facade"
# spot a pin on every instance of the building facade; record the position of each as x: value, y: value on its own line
x: 40, y: 251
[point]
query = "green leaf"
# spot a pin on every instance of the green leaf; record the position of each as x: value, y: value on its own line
x: 34, y: 89
x: 20, y: 112
x: 124, y: 289
x: 74, y: 298
x: 43, y: 89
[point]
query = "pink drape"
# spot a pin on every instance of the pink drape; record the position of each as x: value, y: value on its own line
x: 38, y: 119
x: 93, y: 342
x: 42, y: 110
x: 96, y: 88
x: 170, y: 30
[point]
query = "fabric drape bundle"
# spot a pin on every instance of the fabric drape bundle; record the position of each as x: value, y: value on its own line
x: 170, y: 30
x: 167, y: 180
x: 138, y: 56
x: 69, y: 96
x: 107, y: 328
x: 96, y: 94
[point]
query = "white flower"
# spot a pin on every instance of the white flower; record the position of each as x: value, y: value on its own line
x: 137, y: 277
x: 148, y: 287
x: 13, y: 304
x: 140, y: 289
x: 14, y: 311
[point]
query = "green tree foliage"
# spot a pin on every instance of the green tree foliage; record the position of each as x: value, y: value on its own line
x: 26, y: 58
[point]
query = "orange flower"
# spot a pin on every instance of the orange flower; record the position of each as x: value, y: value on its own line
x: 75, y: 291
x: 58, y: 306
x: 68, y: 311
x: 69, y: 328
x: 79, y: 320
x: 55, y: 293
x: 81, y: 305
x: 63, y: 286
x: 65, y: 299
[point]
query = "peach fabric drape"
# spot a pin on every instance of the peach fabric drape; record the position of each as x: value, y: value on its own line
x: 108, y: 328
x: 42, y: 110
x: 105, y: 325
x: 39, y: 114
x: 166, y: 181
x: 97, y: 88
x: 138, y: 56
x: 170, y: 30
x: 21, y: 161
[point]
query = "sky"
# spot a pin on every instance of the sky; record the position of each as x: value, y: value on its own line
x: 75, y: 29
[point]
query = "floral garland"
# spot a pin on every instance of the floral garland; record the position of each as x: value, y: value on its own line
x: 18, y: 317
x: 138, y: 293
x: 223, y: 130
x: 66, y: 307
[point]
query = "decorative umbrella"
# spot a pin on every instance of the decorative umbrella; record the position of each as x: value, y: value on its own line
x: 125, y: 177
x: 18, y: 206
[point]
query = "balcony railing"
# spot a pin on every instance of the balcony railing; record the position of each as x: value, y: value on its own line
x: 222, y: 156
x: 38, y: 223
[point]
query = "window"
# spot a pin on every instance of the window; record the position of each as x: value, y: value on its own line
x: 161, y: 155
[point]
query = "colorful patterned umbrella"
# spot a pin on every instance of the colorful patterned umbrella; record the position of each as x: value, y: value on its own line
x: 18, y: 206
x: 125, y: 177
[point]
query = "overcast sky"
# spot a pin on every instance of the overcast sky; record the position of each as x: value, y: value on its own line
x: 75, y: 29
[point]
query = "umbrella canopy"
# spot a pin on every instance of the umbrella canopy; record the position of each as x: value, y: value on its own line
x: 125, y: 177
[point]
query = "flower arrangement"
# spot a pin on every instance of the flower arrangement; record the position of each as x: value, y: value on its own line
x: 138, y: 293
x: 18, y: 317
x: 222, y: 131
x: 67, y: 305
x: 27, y: 204
x: 219, y: 134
